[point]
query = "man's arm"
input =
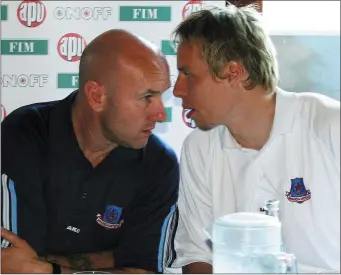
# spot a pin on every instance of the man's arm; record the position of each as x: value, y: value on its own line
x: 22, y: 198
x: 83, y: 261
x: 195, y: 211
x: 151, y: 223
x: 101, y: 261
x: 21, y: 258
x: 197, y: 268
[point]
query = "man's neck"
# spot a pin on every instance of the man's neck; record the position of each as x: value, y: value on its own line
x: 251, y: 125
x: 93, y: 144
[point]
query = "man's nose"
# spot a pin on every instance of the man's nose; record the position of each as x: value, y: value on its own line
x: 159, y: 113
x: 179, y: 89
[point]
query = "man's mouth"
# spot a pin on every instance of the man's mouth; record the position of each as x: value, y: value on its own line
x: 190, y: 113
x: 148, y: 130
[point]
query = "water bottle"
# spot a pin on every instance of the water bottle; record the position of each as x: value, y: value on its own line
x: 249, y: 243
x: 271, y: 208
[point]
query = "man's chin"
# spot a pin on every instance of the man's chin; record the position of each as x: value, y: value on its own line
x: 205, y: 127
x: 135, y: 145
x: 140, y: 144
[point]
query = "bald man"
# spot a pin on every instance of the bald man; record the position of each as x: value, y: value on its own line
x: 85, y: 183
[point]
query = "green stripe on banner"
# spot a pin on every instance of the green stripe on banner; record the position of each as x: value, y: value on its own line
x: 144, y: 13
x: 67, y: 80
x: 168, y: 47
x: 24, y: 47
x: 169, y: 114
x: 4, y: 11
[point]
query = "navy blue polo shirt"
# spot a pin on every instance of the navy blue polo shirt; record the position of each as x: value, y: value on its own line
x: 54, y: 199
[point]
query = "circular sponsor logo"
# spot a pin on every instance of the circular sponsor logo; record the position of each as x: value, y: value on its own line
x: 3, y: 112
x: 188, y: 121
x: 31, y: 13
x: 23, y: 80
x: 71, y: 46
x: 192, y: 6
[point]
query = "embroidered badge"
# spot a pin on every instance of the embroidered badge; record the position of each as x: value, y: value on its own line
x: 111, y: 217
x: 298, y: 193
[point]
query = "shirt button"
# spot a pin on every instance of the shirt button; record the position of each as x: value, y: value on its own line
x: 84, y: 195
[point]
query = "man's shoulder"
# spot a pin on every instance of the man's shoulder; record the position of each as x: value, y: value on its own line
x: 158, y: 149
x: 160, y: 160
x: 24, y: 136
x: 318, y: 111
x: 203, y: 140
x: 32, y: 118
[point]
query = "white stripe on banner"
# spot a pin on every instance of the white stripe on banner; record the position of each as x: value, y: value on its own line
x: 164, y: 237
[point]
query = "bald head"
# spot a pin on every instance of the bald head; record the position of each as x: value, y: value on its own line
x: 108, y: 51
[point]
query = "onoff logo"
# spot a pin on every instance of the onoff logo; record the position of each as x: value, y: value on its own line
x: 3, y: 112
x: 188, y: 121
x: 85, y: 13
x: 192, y: 6
x: 31, y: 13
x: 23, y: 80
x: 71, y: 46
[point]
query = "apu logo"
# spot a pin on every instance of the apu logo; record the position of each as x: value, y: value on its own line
x: 188, y: 121
x: 71, y: 46
x: 31, y: 13
x: 191, y: 6
x: 3, y: 112
x: 85, y: 13
x: 32, y: 80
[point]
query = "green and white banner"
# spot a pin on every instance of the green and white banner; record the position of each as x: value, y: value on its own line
x: 42, y: 41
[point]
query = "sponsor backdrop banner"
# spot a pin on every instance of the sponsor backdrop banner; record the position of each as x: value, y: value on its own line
x: 42, y: 41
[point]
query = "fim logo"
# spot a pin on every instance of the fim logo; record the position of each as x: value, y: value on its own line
x: 22, y: 80
x: 71, y: 46
x: 169, y: 47
x: 24, y: 47
x: 144, y: 13
x: 85, y: 13
x: 3, y: 112
x: 67, y: 81
x: 192, y: 6
x: 188, y: 121
x: 31, y: 13
x: 4, y: 12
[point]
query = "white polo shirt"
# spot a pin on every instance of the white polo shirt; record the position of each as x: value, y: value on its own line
x: 300, y: 162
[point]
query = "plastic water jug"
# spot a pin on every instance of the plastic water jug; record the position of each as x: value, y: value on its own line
x: 249, y: 243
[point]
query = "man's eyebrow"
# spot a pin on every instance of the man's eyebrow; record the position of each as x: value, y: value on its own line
x: 152, y: 92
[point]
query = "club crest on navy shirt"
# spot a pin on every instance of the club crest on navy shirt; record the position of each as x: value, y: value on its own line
x: 111, y: 218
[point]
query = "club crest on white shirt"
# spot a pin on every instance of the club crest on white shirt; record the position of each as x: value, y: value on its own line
x: 298, y: 193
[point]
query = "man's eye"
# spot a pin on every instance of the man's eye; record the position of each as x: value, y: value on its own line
x: 148, y: 97
x: 187, y: 73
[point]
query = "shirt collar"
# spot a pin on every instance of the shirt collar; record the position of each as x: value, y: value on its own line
x: 285, y: 112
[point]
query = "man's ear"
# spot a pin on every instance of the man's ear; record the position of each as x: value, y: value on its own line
x: 95, y: 95
x: 234, y: 73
